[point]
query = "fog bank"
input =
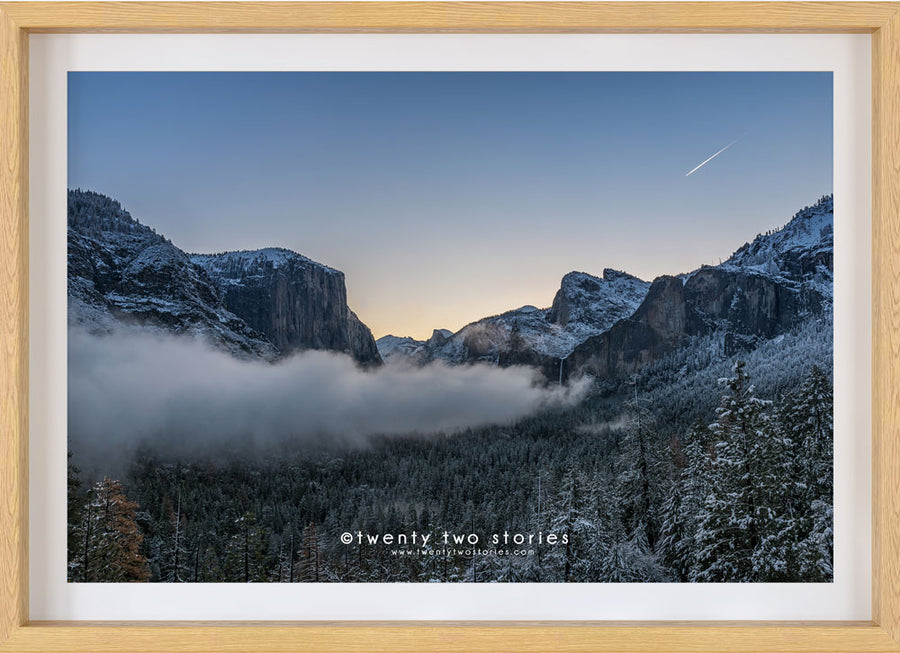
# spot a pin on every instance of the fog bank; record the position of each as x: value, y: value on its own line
x: 184, y: 397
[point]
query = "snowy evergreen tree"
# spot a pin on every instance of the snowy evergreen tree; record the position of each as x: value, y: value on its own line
x: 639, y: 470
x: 571, y: 520
x: 733, y: 514
x: 676, y: 546
x: 109, y: 538
x: 77, y: 500
x: 806, y: 418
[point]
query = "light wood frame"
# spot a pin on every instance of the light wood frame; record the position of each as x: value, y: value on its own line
x: 880, y: 19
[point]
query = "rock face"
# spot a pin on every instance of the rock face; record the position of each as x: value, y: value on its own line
x: 747, y: 303
x: 766, y: 288
x: 584, y: 299
x: 655, y: 328
x: 264, y: 304
x: 297, y: 303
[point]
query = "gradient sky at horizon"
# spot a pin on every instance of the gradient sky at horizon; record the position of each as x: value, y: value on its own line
x: 447, y: 197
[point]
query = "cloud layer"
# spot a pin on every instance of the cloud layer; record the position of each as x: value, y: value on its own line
x: 135, y: 388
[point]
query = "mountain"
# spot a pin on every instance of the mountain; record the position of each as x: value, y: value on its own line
x: 298, y: 303
x: 403, y: 349
x: 765, y: 289
x: 121, y: 272
x: 617, y: 324
x: 801, y: 249
x: 268, y: 303
x: 272, y: 302
x: 585, y: 305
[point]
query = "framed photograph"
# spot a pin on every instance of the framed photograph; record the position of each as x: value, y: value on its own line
x: 509, y: 337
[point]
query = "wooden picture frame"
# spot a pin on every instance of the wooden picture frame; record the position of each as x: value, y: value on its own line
x: 19, y: 19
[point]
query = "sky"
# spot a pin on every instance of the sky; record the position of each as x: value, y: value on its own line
x: 447, y: 197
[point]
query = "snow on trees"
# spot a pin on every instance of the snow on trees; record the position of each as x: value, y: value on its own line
x: 643, y: 488
x: 107, y: 539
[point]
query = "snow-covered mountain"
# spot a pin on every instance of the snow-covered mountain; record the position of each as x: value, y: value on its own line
x: 618, y: 323
x: 768, y: 287
x: 271, y: 302
x: 297, y: 302
x: 585, y: 305
x: 403, y: 349
x: 122, y: 273
x: 801, y: 252
x: 264, y: 304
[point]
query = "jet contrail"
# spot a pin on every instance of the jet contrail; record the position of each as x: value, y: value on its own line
x: 711, y: 158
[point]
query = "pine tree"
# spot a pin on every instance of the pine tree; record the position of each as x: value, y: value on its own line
x: 111, y: 538
x: 806, y: 418
x: 210, y: 570
x: 812, y: 430
x: 532, y: 567
x: 676, y: 546
x: 77, y: 500
x: 286, y: 558
x: 732, y: 515
x: 571, y: 521
x: 774, y: 484
x: 638, y: 466
x: 628, y: 558
x: 245, y: 560
x: 176, y: 566
x: 309, y: 566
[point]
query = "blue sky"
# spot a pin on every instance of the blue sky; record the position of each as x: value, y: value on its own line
x: 445, y: 197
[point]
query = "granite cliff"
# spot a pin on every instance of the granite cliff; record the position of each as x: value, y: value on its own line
x: 267, y: 303
x: 297, y: 303
x: 765, y: 289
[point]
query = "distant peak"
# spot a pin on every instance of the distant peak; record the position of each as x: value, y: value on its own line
x: 392, y: 338
x: 438, y: 337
